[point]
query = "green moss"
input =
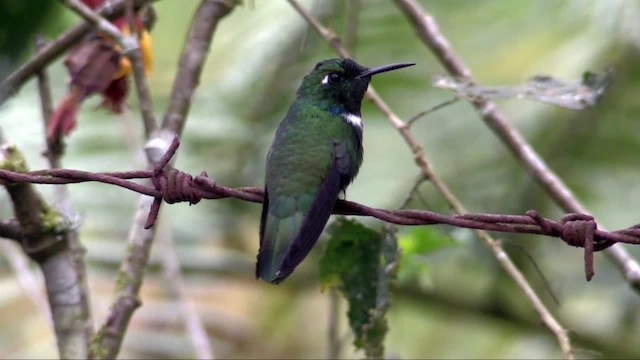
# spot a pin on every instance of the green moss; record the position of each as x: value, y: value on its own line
x: 96, y: 349
x: 12, y: 159
x: 51, y: 219
x: 122, y: 280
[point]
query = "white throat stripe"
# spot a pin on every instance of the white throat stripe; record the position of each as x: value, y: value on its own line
x: 353, y: 119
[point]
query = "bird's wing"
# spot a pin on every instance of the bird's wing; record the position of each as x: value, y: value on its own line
x: 279, y: 224
x: 286, y: 240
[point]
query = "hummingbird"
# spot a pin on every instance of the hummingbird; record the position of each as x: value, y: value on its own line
x: 316, y: 153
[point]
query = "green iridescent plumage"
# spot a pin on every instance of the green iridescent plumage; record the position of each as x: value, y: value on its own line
x: 315, y: 154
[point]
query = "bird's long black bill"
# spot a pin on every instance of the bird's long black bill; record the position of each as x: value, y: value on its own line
x: 385, y: 68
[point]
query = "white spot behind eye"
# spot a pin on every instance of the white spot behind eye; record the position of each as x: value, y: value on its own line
x: 325, y: 80
x: 352, y: 119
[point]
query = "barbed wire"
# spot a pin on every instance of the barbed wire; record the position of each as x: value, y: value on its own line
x: 172, y: 185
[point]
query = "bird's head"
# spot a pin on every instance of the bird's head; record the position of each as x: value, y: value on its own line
x: 340, y: 84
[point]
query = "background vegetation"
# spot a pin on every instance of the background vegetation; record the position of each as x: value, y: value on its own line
x: 452, y: 301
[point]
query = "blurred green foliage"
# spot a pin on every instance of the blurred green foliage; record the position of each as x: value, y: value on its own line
x: 258, y: 57
x: 20, y: 20
x: 416, y: 244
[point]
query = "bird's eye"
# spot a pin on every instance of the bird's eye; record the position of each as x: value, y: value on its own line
x: 335, y: 78
x: 332, y: 78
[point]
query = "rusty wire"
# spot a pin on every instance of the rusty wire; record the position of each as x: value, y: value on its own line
x: 172, y: 185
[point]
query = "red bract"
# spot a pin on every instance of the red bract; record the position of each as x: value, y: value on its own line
x: 113, y: 96
x: 95, y: 66
x: 91, y: 67
x: 93, y: 4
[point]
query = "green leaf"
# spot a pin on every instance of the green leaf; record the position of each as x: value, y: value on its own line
x: 416, y: 242
x: 361, y: 262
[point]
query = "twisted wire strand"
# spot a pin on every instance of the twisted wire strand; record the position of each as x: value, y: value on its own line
x: 172, y: 185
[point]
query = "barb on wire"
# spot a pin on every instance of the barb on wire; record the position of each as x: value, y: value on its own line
x: 172, y: 185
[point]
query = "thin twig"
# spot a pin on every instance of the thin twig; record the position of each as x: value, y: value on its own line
x: 139, y: 76
x: 44, y: 89
x: 53, y: 153
x: 414, y: 191
x: 501, y: 256
x: 101, y: 23
x: 27, y: 279
x: 432, y: 110
x: 333, y: 325
x: 173, y: 274
x: 537, y: 270
x: 351, y: 22
x: 54, y: 149
x: 428, y: 31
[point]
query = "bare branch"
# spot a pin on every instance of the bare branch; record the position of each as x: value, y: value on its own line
x: 44, y: 88
x: 413, y: 191
x: 192, y: 321
x: 333, y: 327
x: 351, y: 22
x: 428, y: 31
x: 108, y: 342
x: 42, y: 238
x: 53, y: 153
x: 55, y: 148
x: 501, y: 256
x: 432, y: 109
x: 27, y: 279
x: 98, y: 21
x: 142, y: 87
x: 194, y: 53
